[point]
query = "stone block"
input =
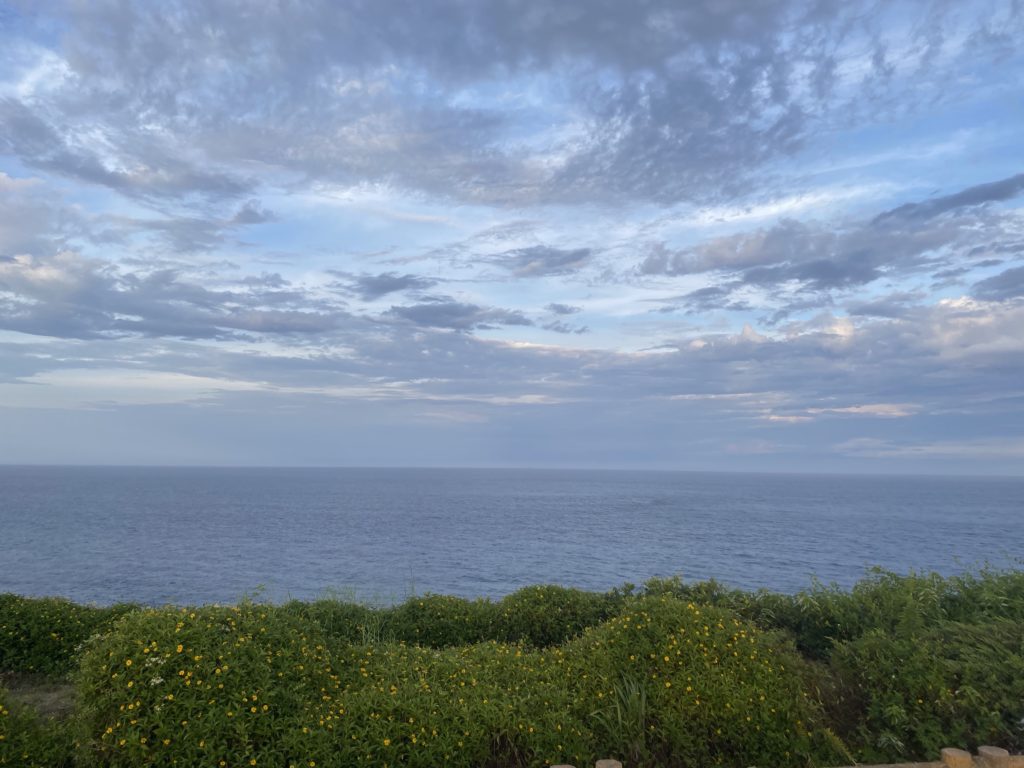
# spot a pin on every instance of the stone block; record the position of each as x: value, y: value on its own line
x: 956, y: 758
x: 994, y: 757
x: 607, y: 764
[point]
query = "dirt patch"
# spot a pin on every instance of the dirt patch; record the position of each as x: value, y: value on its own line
x: 49, y: 697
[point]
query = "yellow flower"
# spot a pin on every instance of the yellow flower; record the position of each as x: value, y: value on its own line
x: 387, y: 742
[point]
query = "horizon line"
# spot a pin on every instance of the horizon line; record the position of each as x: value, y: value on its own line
x: 514, y: 468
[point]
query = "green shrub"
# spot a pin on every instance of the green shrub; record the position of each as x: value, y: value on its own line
x: 30, y: 741
x: 889, y: 603
x: 247, y: 685
x: 549, y: 615
x: 440, y: 621
x: 341, y: 622
x: 823, y: 615
x: 665, y: 684
x: 670, y: 683
x: 42, y: 634
x: 480, y: 705
x: 254, y: 684
x: 914, y: 693
x: 679, y: 674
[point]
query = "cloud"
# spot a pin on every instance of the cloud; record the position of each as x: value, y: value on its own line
x: 371, y: 287
x: 878, y: 410
x: 253, y: 212
x: 891, y: 305
x: 144, y: 167
x: 994, y: 191
x: 69, y: 296
x: 542, y: 261
x: 984, y: 448
x: 33, y: 219
x: 793, y: 257
x: 604, y: 104
x: 1008, y: 284
x: 561, y: 327
x: 656, y: 167
x: 964, y: 358
x: 562, y: 309
x: 705, y: 299
x: 458, y: 316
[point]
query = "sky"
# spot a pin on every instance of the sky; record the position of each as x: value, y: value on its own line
x: 748, y: 235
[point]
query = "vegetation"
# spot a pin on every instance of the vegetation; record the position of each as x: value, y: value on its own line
x: 28, y: 740
x: 668, y: 674
x: 43, y: 634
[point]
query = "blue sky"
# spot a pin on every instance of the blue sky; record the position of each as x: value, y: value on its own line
x: 768, y: 236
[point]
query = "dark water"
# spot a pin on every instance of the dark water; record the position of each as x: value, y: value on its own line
x: 205, y: 535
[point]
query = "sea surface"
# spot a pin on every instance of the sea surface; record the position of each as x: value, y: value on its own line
x: 177, y: 535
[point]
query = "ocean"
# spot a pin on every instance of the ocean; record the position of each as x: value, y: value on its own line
x: 190, y: 535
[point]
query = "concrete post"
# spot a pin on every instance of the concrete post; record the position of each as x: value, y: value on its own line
x: 607, y: 764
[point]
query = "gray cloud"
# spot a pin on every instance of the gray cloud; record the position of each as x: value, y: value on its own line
x: 180, y: 232
x: 995, y: 191
x: 813, y: 383
x: 1008, y: 284
x: 562, y: 309
x: 370, y: 287
x: 542, y: 260
x: 817, y: 258
x: 893, y: 305
x: 458, y: 316
x: 253, y: 212
x: 559, y: 326
x: 68, y: 296
x: 193, y: 111
x: 31, y: 220
x: 703, y: 300
x: 968, y: 359
x: 661, y: 102
x: 156, y: 171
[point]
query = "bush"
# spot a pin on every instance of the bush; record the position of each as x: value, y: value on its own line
x: 483, y: 705
x: 824, y: 615
x: 42, y: 634
x: 679, y: 674
x: 549, y: 615
x: 956, y: 684
x: 890, y: 603
x: 253, y: 683
x: 30, y: 741
x: 664, y: 684
x: 340, y: 622
x: 246, y: 685
x: 439, y: 621
x: 669, y: 683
